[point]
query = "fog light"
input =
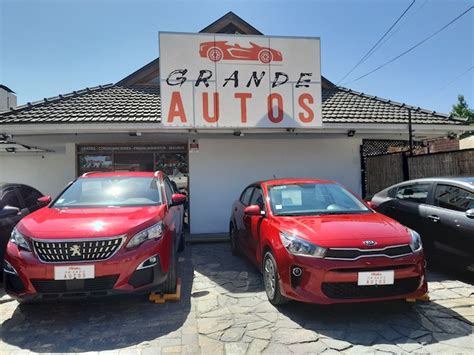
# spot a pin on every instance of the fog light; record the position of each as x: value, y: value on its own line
x: 150, y: 262
x: 8, y: 268
x: 297, y: 271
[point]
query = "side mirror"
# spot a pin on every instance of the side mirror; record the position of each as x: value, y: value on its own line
x: 44, y: 200
x: 9, y: 211
x: 470, y: 213
x: 177, y: 199
x: 253, y: 210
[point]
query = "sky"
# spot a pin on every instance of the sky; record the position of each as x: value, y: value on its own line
x: 51, y: 47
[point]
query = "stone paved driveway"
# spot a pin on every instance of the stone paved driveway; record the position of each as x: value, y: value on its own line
x: 224, y: 310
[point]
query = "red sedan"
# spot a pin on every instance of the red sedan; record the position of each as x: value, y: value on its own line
x: 316, y: 242
x: 106, y: 233
x: 221, y: 50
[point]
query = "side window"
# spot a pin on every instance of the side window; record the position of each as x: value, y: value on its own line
x: 168, y: 190
x: 257, y: 198
x: 10, y: 198
x: 415, y: 193
x: 245, y: 197
x: 453, y: 198
x: 30, y: 196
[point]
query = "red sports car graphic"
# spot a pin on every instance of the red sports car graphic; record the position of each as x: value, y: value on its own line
x: 221, y: 50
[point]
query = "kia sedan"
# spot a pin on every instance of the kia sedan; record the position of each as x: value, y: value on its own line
x: 317, y: 242
x: 441, y: 210
x: 107, y: 233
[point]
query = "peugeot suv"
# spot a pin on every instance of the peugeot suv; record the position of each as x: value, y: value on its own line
x: 106, y: 233
x: 317, y: 242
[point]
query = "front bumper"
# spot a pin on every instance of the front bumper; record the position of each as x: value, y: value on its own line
x: 335, y: 281
x: 33, y: 279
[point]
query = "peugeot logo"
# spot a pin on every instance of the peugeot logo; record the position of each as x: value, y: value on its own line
x: 370, y: 243
x: 75, y: 250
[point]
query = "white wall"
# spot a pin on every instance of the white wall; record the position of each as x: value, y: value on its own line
x: 7, y: 100
x: 48, y: 172
x: 224, y: 166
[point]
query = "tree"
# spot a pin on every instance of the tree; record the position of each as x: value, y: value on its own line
x: 461, y: 109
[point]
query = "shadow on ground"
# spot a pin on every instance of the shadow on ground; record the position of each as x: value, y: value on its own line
x: 388, y: 326
x: 97, y: 324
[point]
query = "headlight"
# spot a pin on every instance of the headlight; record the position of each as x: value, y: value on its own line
x: 415, y: 243
x: 298, y: 246
x: 20, y: 240
x: 153, y: 232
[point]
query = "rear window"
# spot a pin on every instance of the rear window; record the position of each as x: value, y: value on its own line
x: 111, y: 191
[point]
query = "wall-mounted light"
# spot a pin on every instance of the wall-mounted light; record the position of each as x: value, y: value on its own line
x: 290, y: 130
x: 135, y: 134
x: 351, y: 133
x: 10, y: 149
x: 238, y: 134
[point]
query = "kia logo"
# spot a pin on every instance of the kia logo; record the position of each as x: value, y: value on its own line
x: 370, y: 243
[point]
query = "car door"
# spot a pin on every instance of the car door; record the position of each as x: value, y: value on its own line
x: 239, y: 217
x: 452, y: 230
x: 172, y: 218
x: 409, y: 200
x: 253, y: 224
x: 30, y: 198
x: 11, y: 198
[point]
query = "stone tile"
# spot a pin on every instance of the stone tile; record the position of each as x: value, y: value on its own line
x: 294, y: 336
x: 232, y: 334
x: 257, y: 346
x: 235, y: 348
x: 316, y: 347
x: 264, y: 334
x: 336, y: 344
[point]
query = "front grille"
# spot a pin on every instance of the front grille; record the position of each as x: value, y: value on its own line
x: 350, y: 290
x: 353, y: 254
x: 77, y: 250
x: 102, y: 283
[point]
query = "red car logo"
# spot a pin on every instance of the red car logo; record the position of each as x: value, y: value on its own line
x: 221, y: 50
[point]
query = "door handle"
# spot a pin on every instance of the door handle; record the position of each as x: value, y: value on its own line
x: 434, y: 218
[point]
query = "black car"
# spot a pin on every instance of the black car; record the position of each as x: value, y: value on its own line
x: 16, y: 201
x: 440, y: 209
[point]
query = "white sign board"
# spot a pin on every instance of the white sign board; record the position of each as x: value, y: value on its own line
x: 239, y: 81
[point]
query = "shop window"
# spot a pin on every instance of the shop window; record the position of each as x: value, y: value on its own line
x: 133, y: 161
x: 95, y: 162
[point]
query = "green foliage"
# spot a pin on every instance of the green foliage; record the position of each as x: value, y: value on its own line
x: 461, y: 109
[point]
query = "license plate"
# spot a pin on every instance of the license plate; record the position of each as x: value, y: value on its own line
x: 376, y: 278
x: 74, y: 272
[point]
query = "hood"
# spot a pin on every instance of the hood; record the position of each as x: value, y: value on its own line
x: 76, y: 223
x: 346, y: 231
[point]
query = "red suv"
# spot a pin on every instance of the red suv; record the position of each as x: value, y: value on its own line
x: 317, y: 242
x: 106, y: 233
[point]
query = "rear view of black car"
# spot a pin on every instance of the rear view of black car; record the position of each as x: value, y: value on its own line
x: 16, y: 201
x: 440, y: 209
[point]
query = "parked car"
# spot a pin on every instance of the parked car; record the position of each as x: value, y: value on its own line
x: 222, y: 50
x: 440, y: 209
x: 16, y: 201
x: 106, y: 233
x: 317, y: 242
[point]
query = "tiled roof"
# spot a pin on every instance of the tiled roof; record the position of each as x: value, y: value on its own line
x: 108, y: 103
x: 115, y: 103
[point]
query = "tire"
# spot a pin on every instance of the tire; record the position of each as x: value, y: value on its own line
x: 234, y: 243
x: 270, y: 280
x: 265, y: 56
x: 214, y: 54
x: 169, y: 285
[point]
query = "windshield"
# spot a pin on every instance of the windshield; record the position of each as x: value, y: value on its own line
x: 313, y: 199
x: 111, y: 191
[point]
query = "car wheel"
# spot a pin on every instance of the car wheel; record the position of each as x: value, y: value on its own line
x: 265, y: 56
x: 234, y: 247
x: 270, y: 280
x: 170, y: 283
x: 214, y: 54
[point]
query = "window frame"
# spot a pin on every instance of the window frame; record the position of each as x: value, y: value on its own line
x: 258, y: 187
x: 252, y: 187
